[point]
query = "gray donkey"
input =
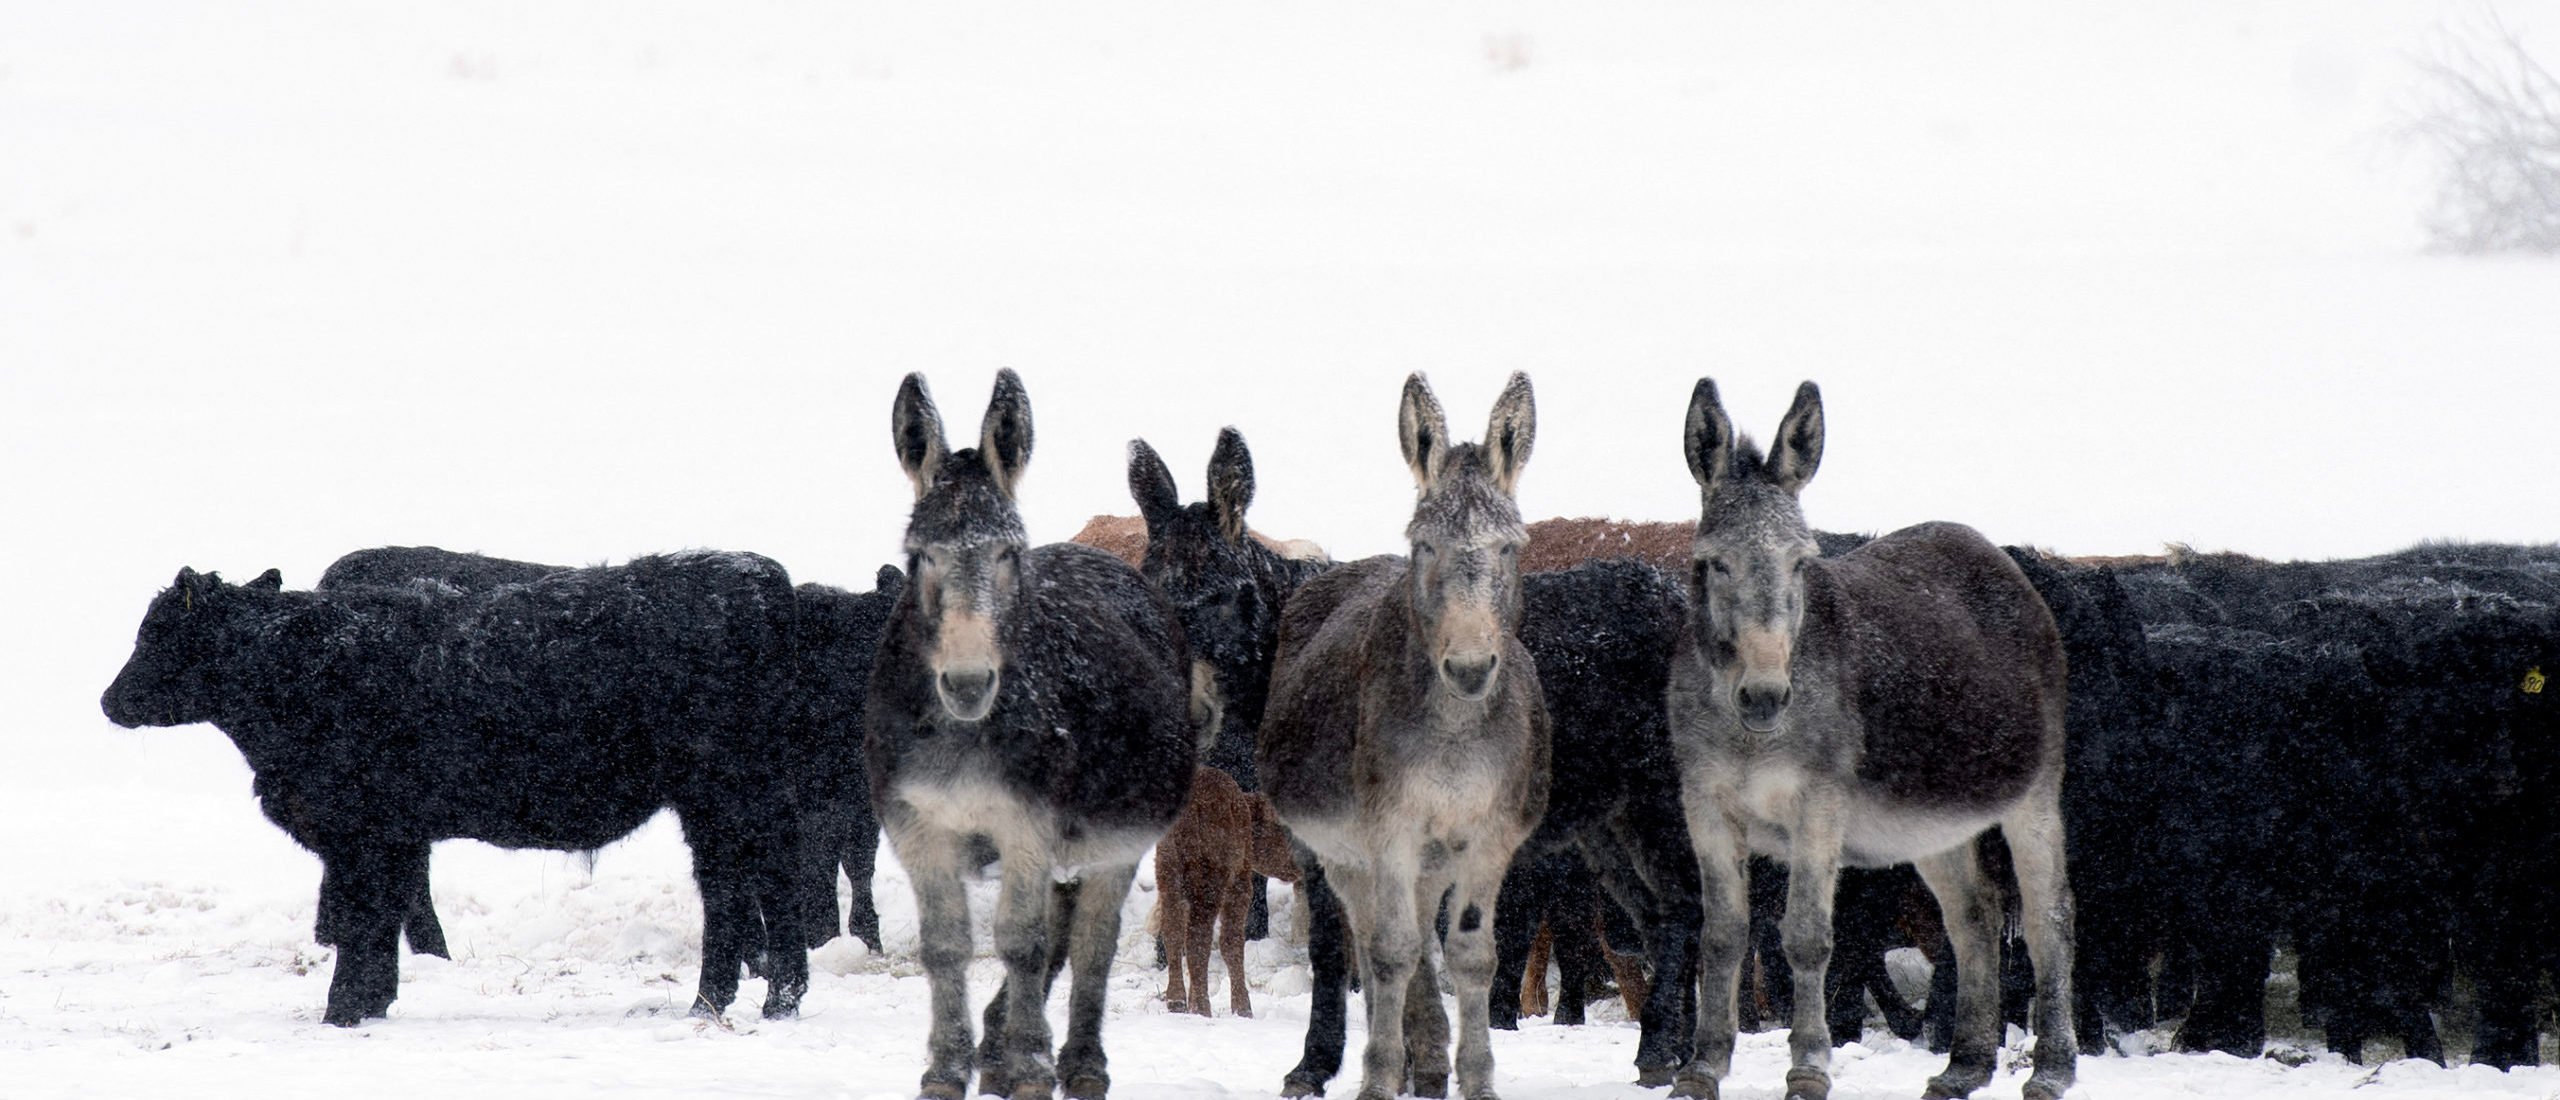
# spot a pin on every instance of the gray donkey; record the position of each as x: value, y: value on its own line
x: 1885, y: 706
x: 1034, y: 699
x: 1406, y: 740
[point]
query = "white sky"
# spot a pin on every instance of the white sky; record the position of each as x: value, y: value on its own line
x: 576, y: 281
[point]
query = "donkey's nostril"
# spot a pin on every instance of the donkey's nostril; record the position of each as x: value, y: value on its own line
x: 1760, y: 704
x: 1472, y: 677
x: 967, y: 692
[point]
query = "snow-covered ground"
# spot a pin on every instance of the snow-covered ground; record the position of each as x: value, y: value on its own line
x: 577, y: 280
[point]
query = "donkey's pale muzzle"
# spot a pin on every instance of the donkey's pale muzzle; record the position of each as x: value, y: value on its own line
x: 968, y: 693
x: 1471, y: 677
x: 1760, y: 705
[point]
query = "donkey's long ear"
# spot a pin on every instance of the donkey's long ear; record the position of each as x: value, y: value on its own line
x: 269, y: 581
x: 1708, y: 436
x: 1230, y: 483
x: 1797, y: 453
x: 915, y: 428
x: 1004, y: 437
x: 1151, y: 485
x: 1508, y: 435
x: 1423, y: 431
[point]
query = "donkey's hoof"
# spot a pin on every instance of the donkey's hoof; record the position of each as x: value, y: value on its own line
x: 942, y: 1090
x: 1685, y: 1087
x: 1806, y: 1083
x: 1295, y: 1087
x: 1088, y: 1086
x: 2042, y: 1088
x: 1431, y: 1086
x: 1029, y: 1091
x: 1948, y: 1086
x: 1654, y: 1077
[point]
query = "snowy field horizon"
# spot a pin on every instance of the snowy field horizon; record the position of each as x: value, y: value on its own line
x: 575, y: 281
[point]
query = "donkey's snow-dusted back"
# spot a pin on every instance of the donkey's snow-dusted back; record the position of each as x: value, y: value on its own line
x: 1407, y: 744
x: 1883, y: 706
x: 1033, y: 698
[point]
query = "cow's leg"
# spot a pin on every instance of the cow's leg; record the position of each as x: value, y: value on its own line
x: 425, y: 932
x: 1515, y: 928
x: 861, y: 856
x: 1232, y: 927
x: 372, y: 893
x: 1661, y: 885
x: 784, y: 890
x: 730, y: 928
x: 1173, y: 914
x: 1329, y: 964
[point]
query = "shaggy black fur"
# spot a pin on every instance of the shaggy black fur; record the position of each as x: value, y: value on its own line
x: 1602, y: 634
x: 838, y: 631
x: 839, y: 635
x: 2347, y: 749
x: 396, y: 567
x: 557, y: 714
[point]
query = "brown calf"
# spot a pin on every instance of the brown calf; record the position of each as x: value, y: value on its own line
x: 1204, y: 876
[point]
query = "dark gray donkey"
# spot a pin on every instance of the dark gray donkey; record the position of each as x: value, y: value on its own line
x: 1884, y: 706
x: 1406, y: 740
x: 1034, y: 699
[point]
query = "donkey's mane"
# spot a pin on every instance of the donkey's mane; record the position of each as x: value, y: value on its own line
x: 965, y: 507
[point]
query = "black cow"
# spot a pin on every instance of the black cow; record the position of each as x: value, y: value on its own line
x: 557, y: 714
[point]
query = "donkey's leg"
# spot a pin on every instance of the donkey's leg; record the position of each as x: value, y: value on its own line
x: 1384, y: 925
x: 1426, y: 1023
x: 2034, y: 833
x: 1476, y: 881
x: 1093, y: 937
x: 1014, y: 1059
x: 1971, y: 906
x: 934, y: 861
x: 1724, y: 937
x: 1813, y: 880
x: 1328, y: 962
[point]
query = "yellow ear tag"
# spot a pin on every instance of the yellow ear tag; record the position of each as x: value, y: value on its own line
x: 189, y: 595
x: 2533, y: 681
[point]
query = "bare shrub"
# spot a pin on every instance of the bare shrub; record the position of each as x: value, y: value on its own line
x: 2492, y: 118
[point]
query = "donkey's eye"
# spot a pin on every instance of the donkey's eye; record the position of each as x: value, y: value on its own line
x: 1720, y: 568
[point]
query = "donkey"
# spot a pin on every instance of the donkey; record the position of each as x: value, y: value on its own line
x: 1406, y: 741
x: 1226, y: 585
x: 1032, y: 698
x: 1884, y: 706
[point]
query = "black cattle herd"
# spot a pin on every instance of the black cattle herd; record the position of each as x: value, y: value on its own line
x: 1752, y: 765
